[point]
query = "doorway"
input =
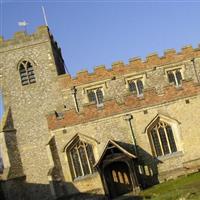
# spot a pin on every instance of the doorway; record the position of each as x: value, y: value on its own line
x: 118, y: 179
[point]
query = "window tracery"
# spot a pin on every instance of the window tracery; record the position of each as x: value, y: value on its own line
x: 82, y: 159
x: 162, y: 139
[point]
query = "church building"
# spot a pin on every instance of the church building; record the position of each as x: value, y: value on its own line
x: 98, y: 135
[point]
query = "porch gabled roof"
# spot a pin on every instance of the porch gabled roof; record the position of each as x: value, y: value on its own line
x: 113, y: 144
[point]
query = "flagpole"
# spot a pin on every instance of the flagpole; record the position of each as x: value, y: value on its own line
x: 44, y: 15
x: 45, y: 19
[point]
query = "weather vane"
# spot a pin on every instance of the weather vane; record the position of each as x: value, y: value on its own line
x: 23, y: 24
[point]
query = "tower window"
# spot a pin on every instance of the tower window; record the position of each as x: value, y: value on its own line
x: 96, y: 95
x: 175, y: 77
x: 26, y: 72
x: 82, y: 159
x: 162, y: 139
x: 136, y: 86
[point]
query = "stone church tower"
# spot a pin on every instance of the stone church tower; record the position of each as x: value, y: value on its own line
x: 30, y: 65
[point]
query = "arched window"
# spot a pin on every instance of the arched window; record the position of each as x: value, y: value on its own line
x: 91, y: 96
x: 26, y: 72
x: 82, y: 159
x: 96, y: 95
x: 171, y: 77
x: 114, y: 175
x: 178, y: 77
x: 175, y: 77
x: 132, y: 86
x: 121, y: 180
x: 140, y: 86
x: 99, y: 96
x: 126, y: 181
x: 162, y: 139
x: 136, y: 86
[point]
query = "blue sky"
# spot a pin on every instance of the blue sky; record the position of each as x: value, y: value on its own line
x: 92, y: 33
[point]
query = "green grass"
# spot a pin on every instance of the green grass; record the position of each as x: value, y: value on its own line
x: 183, y: 188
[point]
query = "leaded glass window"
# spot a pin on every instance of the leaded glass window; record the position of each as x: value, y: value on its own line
x: 175, y: 77
x: 82, y: 159
x: 96, y: 95
x: 136, y: 86
x: 90, y: 154
x: 140, y: 86
x: 91, y: 96
x: 26, y: 72
x: 171, y: 138
x: 132, y: 86
x: 156, y: 142
x: 171, y: 77
x: 99, y: 96
x: 162, y: 139
x: 178, y: 77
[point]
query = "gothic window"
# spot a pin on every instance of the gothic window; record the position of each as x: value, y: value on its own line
x: 162, y: 139
x: 175, y: 77
x: 136, y: 86
x: 26, y: 72
x: 82, y: 159
x: 96, y: 95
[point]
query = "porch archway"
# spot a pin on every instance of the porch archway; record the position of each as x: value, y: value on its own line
x: 118, y: 179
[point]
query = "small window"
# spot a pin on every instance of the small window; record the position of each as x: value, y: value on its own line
x: 96, y: 95
x: 114, y: 175
x: 175, y: 77
x: 126, y: 181
x: 26, y: 72
x: 82, y: 159
x: 99, y: 94
x: 162, y: 139
x: 91, y: 96
x: 136, y: 86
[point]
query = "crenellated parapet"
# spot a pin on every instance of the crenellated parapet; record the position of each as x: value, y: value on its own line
x: 135, y: 65
x: 23, y: 37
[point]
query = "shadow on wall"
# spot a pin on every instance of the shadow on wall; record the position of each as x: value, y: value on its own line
x: 146, y: 166
x: 11, y: 191
x: 147, y: 169
x: 18, y: 189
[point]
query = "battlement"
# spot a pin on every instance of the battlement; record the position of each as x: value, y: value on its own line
x: 22, y: 36
x: 135, y: 65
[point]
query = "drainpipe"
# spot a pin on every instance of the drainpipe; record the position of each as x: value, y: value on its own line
x: 128, y: 118
x: 195, y: 69
x: 74, y: 90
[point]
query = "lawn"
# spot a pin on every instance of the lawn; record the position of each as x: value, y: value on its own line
x: 187, y: 187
